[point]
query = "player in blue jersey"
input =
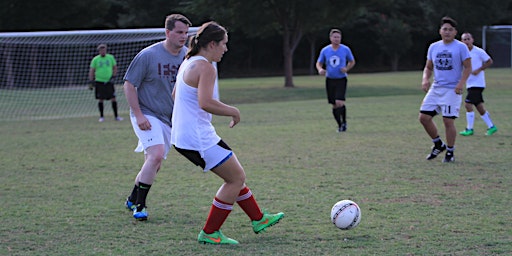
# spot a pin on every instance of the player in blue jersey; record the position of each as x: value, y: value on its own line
x: 334, y: 61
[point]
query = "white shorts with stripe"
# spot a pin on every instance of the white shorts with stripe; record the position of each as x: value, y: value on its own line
x: 210, y: 158
x: 442, y: 100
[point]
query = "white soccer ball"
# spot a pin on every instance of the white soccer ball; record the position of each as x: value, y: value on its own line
x: 345, y: 214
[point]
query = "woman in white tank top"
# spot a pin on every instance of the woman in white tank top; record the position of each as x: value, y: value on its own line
x: 193, y: 135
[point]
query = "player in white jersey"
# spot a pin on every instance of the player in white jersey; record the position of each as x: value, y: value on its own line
x: 475, y: 85
x: 449, y: 60
x: 196, y: 100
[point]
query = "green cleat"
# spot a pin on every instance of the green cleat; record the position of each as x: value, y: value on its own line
x: 467, y: 132
x: 267, y: 221
x: 215, y: 238
x: 491, y: 131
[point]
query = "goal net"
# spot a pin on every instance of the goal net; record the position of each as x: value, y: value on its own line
x: 44, y: 75
x: 497, y: 41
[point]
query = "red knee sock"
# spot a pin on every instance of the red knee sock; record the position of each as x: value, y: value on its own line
x: 218, y: 214
x: 247, y: 202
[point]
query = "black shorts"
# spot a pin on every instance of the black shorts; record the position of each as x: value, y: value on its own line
x: 104, y: 91
x: 475, y: 95
x: 336, y: 89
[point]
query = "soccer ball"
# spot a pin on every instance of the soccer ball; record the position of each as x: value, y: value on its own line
x: 345, y: 214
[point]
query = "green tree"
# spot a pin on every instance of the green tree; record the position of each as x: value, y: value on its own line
x: 36, y: 15
x: 262, y: 18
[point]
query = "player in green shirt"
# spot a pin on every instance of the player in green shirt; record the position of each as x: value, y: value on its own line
x: 102, y: 72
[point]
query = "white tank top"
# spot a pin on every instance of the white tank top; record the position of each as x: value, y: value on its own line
x: 191, y: 126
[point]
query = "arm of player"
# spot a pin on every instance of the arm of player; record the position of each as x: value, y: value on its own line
x: 465, y: 74
x: 484, y: 66
x: 133, y: 102
x: 427, y: 73
x: 320, y: 69
x: 205, y: 87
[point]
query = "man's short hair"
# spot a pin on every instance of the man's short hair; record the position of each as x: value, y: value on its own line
x: 334, y: 30
x: 170, y: 21
x: 101, y: 46
x: 448, y: 20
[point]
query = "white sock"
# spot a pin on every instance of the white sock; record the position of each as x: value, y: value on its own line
x: 487, y: 119
x: 470, y: 119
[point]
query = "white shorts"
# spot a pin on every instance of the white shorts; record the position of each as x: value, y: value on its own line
x: 210, y: 158
x: 160, y: 133
x: 442, y: 100
x: 215, y: 156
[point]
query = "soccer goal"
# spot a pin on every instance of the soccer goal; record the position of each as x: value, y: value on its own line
x: 44, y: 75
x: 497, y: 41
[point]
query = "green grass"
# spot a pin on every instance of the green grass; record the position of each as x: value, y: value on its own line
x: 64, y: 181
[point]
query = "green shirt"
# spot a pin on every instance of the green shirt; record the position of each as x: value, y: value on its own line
x: 103, y: 67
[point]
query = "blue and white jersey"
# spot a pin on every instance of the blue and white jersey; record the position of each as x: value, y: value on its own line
x: 335, y: 60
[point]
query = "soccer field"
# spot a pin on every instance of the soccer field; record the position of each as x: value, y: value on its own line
x: 64, y: 181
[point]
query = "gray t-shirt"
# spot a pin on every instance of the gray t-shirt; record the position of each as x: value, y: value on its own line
x: 153, y: 73
x: 447, y: 60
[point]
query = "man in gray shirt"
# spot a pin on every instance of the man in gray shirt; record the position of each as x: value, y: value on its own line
x: 148, y: 86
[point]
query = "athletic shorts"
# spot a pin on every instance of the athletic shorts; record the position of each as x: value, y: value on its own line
x: 209, y: 158
x: 336, y: 89
x: 104, y: 91
x: 441, y: 100
x: 475, y: 95
x: 160, y: 134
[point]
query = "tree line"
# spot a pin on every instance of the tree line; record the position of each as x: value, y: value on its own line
x: 279, y: 37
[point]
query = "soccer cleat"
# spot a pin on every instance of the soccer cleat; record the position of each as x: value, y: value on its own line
x: 343, y: 127
x: 491, y: 131
x: 101, y: 120
x: 215, y: 238
x: 267, y: 221
x: 436, y: 151
x: 119, y: 118
x: 130, y: 205
x: 466, y: 132
x: 449, y: 157
x: 142, y: 215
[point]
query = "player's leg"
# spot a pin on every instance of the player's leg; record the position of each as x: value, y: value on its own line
x: 470, y: 119
x: 450, y: 113
x: 101, y: 109
x: 155, y: 146
x: 234, y: 179
x: 451, y: 134
x: 341, y: 90
x: 484, y: 114
x: 145, y: 178
x: 428, y: 110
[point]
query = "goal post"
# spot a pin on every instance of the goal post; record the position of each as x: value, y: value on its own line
x: 497, y: 41
x: 44, y: 75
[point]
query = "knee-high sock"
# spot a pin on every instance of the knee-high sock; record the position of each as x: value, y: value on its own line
x: 470, y: 119
x: 114, y: 107
x: 336, y: 112
x: 344, y: 114
x: 487, y: 119
x: 100, y: 108
x: 247, y: 202
x: 218, y: 214
x: 142, y: 193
